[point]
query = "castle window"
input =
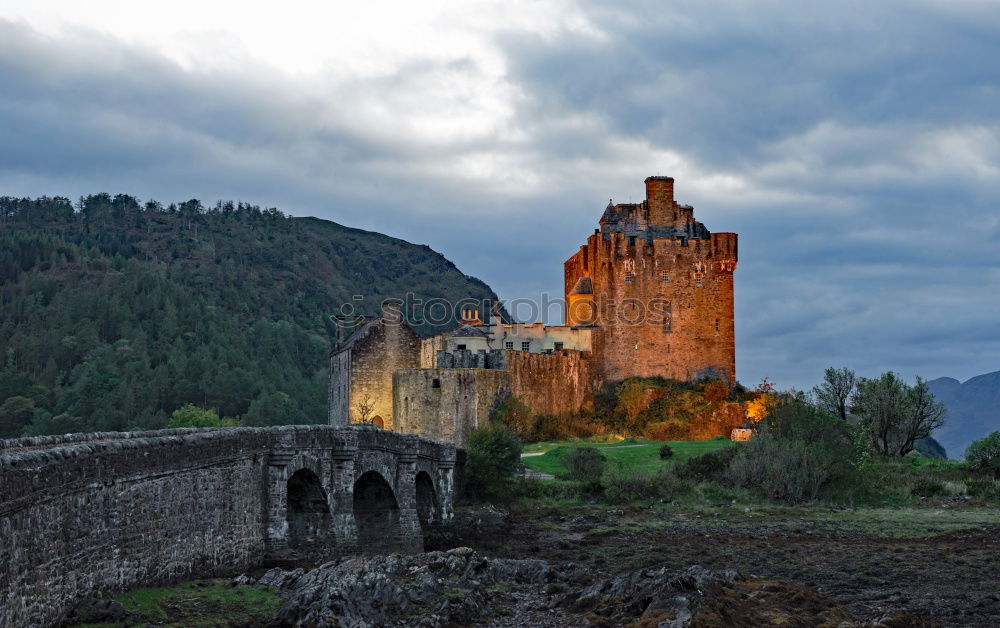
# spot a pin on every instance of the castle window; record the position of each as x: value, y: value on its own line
x: 698, y: 277
x: 525, y: 346
x: 509, y: 345
x: 716, y: 325
x: 436, y: 383
x: 631, y: 240
x: 629, y: 276
x: 559, y: 346
x: 664, y: 276
x: 461, y: 347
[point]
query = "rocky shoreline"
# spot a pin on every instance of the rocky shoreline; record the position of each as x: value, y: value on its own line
x: 462, y: 587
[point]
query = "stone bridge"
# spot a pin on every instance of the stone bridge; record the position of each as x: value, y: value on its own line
x: 89, y: 514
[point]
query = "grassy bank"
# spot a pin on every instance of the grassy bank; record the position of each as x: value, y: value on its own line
x: 631, y: 455
x: 635, y: 473
x: 200, y: 603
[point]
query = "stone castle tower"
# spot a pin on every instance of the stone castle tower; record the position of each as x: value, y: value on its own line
x: 660, y: 286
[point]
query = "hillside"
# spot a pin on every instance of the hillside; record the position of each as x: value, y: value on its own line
x: 114, y: 313
x: 973, y: 410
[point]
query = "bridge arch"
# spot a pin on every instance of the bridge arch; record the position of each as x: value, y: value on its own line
x: 376, y: 510
x: 428, y: 504
x: 308, y: 510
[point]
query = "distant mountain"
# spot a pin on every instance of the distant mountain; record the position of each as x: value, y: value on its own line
x: 114, y: 313
x: 973, y: 410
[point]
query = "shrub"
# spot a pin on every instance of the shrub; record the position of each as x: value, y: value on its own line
x: 666, y: 452
x: 586, y: 464
x: 515, y: 415
x: 786, y: 470
x: 623, y: 486
x: 926, y: 487
x: 985, y: 489
x: 667, y: 430
x: 983, y: 455
x: 715, y: 390
x: 798, y: 451
x: 193, y: 416
x: 492, y: 456
x: 706, y: 467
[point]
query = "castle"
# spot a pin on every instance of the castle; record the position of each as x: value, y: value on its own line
x: 650, y: 293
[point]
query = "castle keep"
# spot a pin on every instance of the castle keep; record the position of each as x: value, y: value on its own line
x: 649, y: 294
x: 659, y: 286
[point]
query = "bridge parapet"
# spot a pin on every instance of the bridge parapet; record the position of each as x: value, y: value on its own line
x: 86, y: 514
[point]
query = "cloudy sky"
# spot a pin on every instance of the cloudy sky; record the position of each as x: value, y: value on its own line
x: 855, y: 146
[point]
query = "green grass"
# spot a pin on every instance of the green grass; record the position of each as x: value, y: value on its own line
x: 201, y: 603
x: 905, y: 522
x: 639, y: 455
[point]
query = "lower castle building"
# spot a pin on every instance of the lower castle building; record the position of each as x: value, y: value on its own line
x: 649, y: 294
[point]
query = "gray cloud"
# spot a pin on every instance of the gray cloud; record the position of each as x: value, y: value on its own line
x: 856, y: 149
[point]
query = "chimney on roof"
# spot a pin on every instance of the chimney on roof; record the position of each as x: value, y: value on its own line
x: 660, y: 197
x: 470, y: 316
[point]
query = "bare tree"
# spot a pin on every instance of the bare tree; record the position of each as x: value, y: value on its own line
x: 924, y: 415
x: 835, y: 392
x: 895, y: 414
x: 364, y: 410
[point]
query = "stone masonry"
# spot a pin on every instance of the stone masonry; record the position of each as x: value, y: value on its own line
x: 361, y: 367
x: 90, y: 514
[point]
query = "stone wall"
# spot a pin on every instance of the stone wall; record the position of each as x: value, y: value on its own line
x: 471, y: 359
x: 446, y: 404
x: 339, y: 402
x: 373, y: 353
x: 97, y: 513
x: 556, y: 383
x: 429, y: 348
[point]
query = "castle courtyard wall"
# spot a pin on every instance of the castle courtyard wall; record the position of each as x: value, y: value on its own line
x: 446, y: 404
x: 556, y: 383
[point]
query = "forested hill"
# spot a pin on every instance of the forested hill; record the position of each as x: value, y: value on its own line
x: 115, y: 313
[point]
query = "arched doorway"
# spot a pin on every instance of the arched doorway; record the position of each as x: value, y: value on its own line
x: 308, y: 511
x: 377, y: 420
x: 375, y: 511
x: 427, y: 504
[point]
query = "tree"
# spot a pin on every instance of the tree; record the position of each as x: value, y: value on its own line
x: 193, y: 416
x: 834, y: 394
x: 763, y: 399
x: 364, y: 410
x: 492, y: 455
x: 984, y: 454
x: 924, y: 414
x: 15, y: 414
x: 894, y: 414
x: 586, y: 465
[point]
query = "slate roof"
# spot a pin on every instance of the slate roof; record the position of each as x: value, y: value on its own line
x: 468, y: 331
x: 583, y: 286
x: 356, y: 335
x: 610, y: 214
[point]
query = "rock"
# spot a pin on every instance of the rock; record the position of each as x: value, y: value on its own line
x: 462, y: 587
x: 243, y: 580
x: 97, y: 611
